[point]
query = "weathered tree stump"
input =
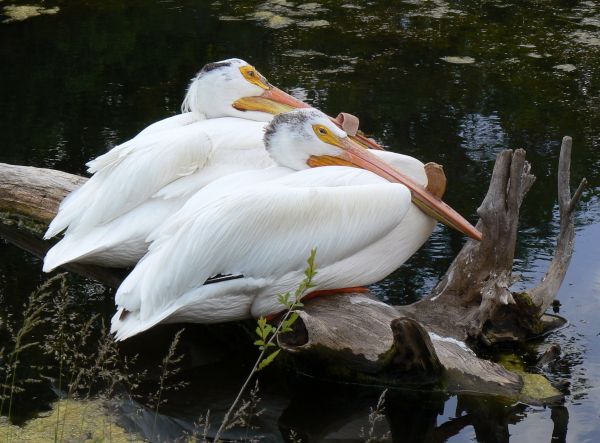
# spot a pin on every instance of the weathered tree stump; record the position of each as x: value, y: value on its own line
x: 473, y: 299
x: 358, y: 337
x: 355, y: 336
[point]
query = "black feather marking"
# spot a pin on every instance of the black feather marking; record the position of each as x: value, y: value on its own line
x: 219, y: 278
x: 212, y: 66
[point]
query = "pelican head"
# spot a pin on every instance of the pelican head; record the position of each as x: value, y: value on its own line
x: 306, y: 138
x: 234, y: 88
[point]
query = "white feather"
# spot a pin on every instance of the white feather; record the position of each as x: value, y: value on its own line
x: 117, y: 209
x: 169, y: 160
x: 265, y: 233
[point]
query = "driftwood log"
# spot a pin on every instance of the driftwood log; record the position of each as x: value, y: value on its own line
x: 355, y: 336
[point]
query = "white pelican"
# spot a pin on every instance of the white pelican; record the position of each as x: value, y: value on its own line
x: 257, y: 228
x: 138, y: 184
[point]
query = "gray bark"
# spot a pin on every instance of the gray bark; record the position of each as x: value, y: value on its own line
x: 473, y: 300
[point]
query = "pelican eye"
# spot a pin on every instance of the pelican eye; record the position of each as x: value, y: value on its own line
x: 324, y: 133
x: 254, y: 77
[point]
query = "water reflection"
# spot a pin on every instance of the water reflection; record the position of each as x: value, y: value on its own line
x: 318, y: 411
x: 483, y: 137
x: 90, y: 76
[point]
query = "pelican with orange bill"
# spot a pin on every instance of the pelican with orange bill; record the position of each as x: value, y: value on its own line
x: 242, y: 240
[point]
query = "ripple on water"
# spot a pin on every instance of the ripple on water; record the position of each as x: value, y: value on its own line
x: 586, y: 38
x: 482, y: 136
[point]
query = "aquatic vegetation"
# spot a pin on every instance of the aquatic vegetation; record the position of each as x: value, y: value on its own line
x: 86, y: 421
x: 23, y: 12
x: 19, y: 342
x: 82, y: 361
x: 586, y: 38
x: 168, y: 368
x: 314, y: 24
x: 456, y: 60
x: 86, y: 368
x: 277, y: 14
x: 536, y: 388
x: 566, y: 67
x: 376, y: 415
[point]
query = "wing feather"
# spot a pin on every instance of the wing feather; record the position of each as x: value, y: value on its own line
x: 144, y: 165
x: 265, y: 232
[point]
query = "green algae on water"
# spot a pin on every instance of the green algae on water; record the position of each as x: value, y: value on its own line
x: 565, y: 68
x: 459, y: 60
x: 70, y: 420
x: 314, y: 24
x: 537, y: 389
x: 19, y: 13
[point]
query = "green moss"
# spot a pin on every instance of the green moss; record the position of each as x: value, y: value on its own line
x: 523, y: 298
x: 23, y: 222
x: 23, y: 12
x: 459, y: 60
x: 528, y: 313
x: 74, y: 420
x: 512, y: 362
x: 387, y: 357
x: 536, y: 388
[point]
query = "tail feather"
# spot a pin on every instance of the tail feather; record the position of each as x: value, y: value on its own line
x: 125, y: 324
x: 70, y: 210
x: 97, y: 247
x: 110, y: 158
x: 70, y: 248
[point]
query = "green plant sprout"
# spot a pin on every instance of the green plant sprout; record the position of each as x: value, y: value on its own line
x: 267, y: 334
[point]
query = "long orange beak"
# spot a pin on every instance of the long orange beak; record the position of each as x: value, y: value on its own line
x: 277, y: 95
x: 358, y: 156
x: 275, y: 101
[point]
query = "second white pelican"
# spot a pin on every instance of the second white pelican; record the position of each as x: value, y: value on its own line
x: 257, y: 228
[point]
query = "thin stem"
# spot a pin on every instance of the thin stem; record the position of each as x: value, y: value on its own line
x: 254, y: 368
x: 6, y: 378
x: 60, y: 369
x: 12, y: 389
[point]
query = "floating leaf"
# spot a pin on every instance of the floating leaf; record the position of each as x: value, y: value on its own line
x: 459, y: 60
x: 565, y: 68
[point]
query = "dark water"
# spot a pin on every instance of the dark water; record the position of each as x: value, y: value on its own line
x: 75, y: 83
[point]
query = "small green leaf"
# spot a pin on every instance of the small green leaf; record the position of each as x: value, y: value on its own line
x: 292, y: 319
x: 268, y: 330
x: 269, y: 359
x: 284, y: 299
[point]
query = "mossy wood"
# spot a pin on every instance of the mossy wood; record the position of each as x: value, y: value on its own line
x: 356, y: 336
